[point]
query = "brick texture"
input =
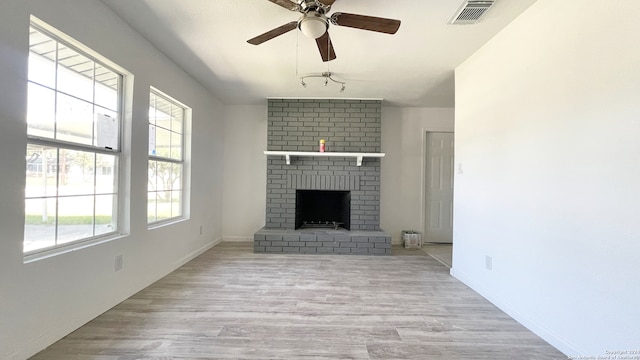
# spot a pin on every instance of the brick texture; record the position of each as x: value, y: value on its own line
x: 347, y: 126
x: 322, y: 242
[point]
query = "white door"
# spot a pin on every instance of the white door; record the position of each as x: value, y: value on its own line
x: 439, y: 188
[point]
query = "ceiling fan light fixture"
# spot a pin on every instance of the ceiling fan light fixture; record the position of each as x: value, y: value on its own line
x: 313, y: 25
x: 327, y: 76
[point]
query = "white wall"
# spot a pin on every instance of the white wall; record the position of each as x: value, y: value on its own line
x: 245, y: 171
x: 547, y: 129
x: 44, y: 300
x: 402, y: 170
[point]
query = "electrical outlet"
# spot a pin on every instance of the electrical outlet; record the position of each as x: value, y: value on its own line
x: 488, y: 262
x: 118, y: 263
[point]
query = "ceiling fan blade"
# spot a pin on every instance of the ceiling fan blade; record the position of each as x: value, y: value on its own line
x: 287, y: 4
x: 371, y: 23
x: 273, y: 33
x: 326, y: 47
x: 327, y: 2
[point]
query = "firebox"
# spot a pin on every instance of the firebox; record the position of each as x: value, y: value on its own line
x: 323, y: 209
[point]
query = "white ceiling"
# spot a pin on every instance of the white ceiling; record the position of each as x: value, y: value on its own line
x: 414, y: 67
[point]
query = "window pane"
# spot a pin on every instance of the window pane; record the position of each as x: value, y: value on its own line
x: 176, y: 203
x: 152, y: 108
x: 106, y: 177
x: 42, y: 55
x: 41, y: 111
x: 76, y: 175
x: 74, y: 120
x: 42, y: 70
x: 75, y: 73
x: 176, y: 183
x: 163, y: 113
x: 176, y: 146
x: 42, y: 163
x: 151, y: 206
x: 106, y: 88
x: 152, y: 139
x: 39, y: 224
x: 163, y: 142
x: 75, y: 218
x: 177, y: 116
x: 105, y: 214
x: 163, y: 206
x: 165, y: 176
x: 152, y: 177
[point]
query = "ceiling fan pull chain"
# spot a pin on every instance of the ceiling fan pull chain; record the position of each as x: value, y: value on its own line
x: 328, y: 53
x: 297, y: 44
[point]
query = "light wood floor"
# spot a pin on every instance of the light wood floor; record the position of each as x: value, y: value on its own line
x: 441, y: 252
x: 232, y: 304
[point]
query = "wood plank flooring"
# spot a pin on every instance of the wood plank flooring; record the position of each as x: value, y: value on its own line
x: 232, y: 304
x: 441, y: 252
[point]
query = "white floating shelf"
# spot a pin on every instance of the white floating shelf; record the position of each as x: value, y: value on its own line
x: 358, y: 156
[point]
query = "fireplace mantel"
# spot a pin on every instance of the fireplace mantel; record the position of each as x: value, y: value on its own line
x: 357, y: 155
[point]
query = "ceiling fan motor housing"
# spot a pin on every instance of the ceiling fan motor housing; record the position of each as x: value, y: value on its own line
x: 314, y: 6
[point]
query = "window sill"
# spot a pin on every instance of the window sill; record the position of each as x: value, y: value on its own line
x: 71, y: 247
x: 167, y: 222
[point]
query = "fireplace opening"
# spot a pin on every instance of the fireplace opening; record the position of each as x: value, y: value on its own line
x: 323, y: 209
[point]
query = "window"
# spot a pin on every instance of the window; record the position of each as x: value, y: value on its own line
x: 73, y: 151
x: 166, y: 158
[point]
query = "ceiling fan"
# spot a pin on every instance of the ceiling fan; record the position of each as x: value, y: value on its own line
x: 314, y: 23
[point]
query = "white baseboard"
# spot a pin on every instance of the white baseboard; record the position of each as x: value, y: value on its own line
x: 533, y: 325
x: 197, y: 252
x: 240, y: 238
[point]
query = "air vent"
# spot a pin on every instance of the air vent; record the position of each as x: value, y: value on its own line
x: 471, y: 11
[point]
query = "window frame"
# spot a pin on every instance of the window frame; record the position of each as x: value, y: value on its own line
x: 118, y: 177
x: 185, y: 112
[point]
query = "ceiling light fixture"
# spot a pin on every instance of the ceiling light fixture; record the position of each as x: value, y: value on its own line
x: 313, y: 25
x: 327, y: 76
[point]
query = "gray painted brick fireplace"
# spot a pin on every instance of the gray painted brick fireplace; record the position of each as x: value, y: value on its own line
x: 347, y: 126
